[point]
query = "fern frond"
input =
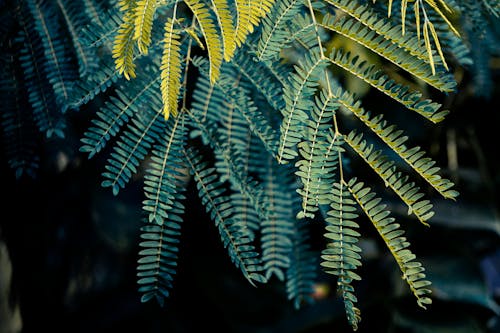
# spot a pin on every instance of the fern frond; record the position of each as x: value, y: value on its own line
x: 273, y: 29
x: 389, y: 230
x: 302, y: 273
x: 298, y: 101
x: 144, y: 13
x: 259, y: 76
x: 384, y: 167
x: 160, y: 185
x: 20, y: 142
x: 234, y: 237
x: 72, y: 13
x: 115, y: 113
x: 249, y: 13
x: 237, y: 176
x: 226, y: 25
x: 171, y: 68
x: 383, y: 27
x: 341, y: 256
x: 46, y: 113
x: 133, y: 146
x: 224, y: 89
x: 58, y: 66
x: 398, y: 92
x: 158, y: 263
x: 359, y: 33
x: 97, y: 34
x: 317, y: 163
x: 277, y: 230
x: 209, y: 32
x: 396, y: 139
x: 123, y: 47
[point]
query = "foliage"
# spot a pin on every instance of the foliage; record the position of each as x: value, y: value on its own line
x: 262, y: 124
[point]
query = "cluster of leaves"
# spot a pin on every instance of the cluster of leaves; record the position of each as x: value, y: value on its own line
x: 266, y: 104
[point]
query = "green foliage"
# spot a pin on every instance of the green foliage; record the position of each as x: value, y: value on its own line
x: 260, y: 125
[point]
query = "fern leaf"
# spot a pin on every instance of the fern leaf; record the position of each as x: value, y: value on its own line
x: 395, y: 139
x: 233, y: 236
x: 133, y: 146
x: 249, y: 13
x: 400, y: 93
x: 277, y: 230
x: 123, y: 47
x: 20, y: 142
x: 298, y: 99
x: 209, y: 32
x: 58, y: 67
x: 158, y: 257
x: 226, y: 25
x: 341, y: 256
x: 316, y: 155
x: 302, y: 273
x: 41, y: 96
x: 143, y: 23
x: 115, y: 113
x: 407, y: 191
x: 160, y: 182
x: 273, y: 28
x: 245, y: 184
x: 389, y: 230
x: 171, y: 69
x: 377, y: 43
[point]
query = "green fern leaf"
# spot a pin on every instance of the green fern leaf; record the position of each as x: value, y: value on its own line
x: 389, y: 230
x: 298, y: 98
x: 273, y: 29
x: 233, y: 236
x: 398, y: 92
x: 384, y: 167
x: 341, y: 256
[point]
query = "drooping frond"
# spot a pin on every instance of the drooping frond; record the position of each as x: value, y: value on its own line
x: 20, y: 142
x: 124, y: 46
x: 209, y: 32
x: 171, y: 68
x: 134, y: 143
x: 116, y: 112
x: 389, y: 230
x: 260, y: 78
x: 363, y: 35
x: 277, y: 230
x: 399, y: 183
x: 315, y: 153
x: 59, y: 68
x: 46, y: 113
x: 226, y: 25
x: 161, y: 180
x: 212, y: 98
x: 395, y: 139
x: 341, y: 257
x: 302, y: 273
x: 274, y: 31
x: 245, y: 184
x: 298, y: 101
x: 400, y: 93
x: 235, y: 238
x: 164, y: 185
x: 144, y: 13
x: 249, y: 13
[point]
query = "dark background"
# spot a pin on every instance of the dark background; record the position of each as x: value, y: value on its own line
x: 72, y: 246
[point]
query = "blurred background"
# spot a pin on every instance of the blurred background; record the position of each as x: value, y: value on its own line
x: 68, y: 247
